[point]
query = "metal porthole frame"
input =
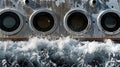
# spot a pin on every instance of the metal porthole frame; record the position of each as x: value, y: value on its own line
x: 66, y: 18
x: 99, y: 21
x: 21, y: 21
x: 39, y: 11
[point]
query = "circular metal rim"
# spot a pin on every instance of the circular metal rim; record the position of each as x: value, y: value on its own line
x: 81, y: 11
x: 21, y: 21
x: 100, y: 17
x: 39, y: 11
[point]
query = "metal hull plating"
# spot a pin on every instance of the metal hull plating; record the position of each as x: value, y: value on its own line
x: 60, y: 9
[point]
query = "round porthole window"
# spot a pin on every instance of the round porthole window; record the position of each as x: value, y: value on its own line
x: 43, y: 21
x: 11, y: 21
x: 109, y: 21
x: 77, y: 21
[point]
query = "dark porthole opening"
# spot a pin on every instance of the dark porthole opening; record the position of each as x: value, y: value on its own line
x: 9, y: 21
x: 77, y: 22
x: 110, y: 22
x: 43, y: 21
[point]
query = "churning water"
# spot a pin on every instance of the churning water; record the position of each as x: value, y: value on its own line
x: 64, y: 52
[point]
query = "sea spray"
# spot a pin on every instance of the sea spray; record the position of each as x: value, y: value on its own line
x: 64, y: 52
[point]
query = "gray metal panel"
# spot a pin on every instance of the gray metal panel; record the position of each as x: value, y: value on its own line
x: 61, y: 7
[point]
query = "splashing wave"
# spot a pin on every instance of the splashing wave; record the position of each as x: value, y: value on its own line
x: 64, y: 52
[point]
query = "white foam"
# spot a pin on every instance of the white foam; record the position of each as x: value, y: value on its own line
x: 71, y: 51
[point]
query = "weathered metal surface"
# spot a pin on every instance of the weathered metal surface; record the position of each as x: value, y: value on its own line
x: 14, y: 39
x: 60, y: 8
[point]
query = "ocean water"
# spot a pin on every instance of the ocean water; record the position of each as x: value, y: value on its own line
x: 64, y: 52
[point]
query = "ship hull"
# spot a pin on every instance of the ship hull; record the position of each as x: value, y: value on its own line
x: 78, y: 19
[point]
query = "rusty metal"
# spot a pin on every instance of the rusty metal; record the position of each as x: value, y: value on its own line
x: 80, y: 39
x: 14, y: 38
